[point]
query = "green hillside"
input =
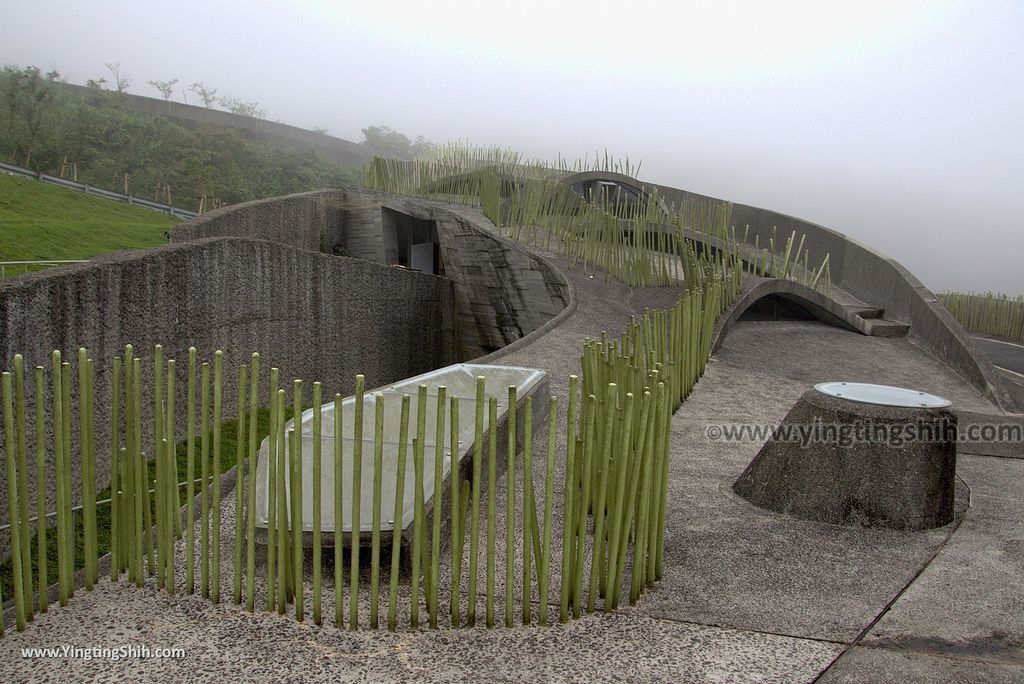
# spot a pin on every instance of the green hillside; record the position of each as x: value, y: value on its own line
x: 46, y: 127
x: 42, y: 221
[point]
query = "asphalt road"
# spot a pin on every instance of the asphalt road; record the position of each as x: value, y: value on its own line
x: 1006, y: 355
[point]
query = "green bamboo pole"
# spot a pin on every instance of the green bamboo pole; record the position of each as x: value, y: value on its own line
x: 172, y: 430
x: 127, y: 520
x: 590, y: 436
x: 659, y: 548
x: 283, y: 517
x: 236, y: 585
x: 12, y: 503
x: 339, y: 583
x: 399, y: 514
x: 170, y: 484
x: 204, y: 490
x: 528, y: 508
x: 597, y: 561
x: 272, y: 475
x: 418, y: 540
x: 474, y: 532
x: 69, y: 557
x: 660, y: 432
x: 421, y: 436
x: 160, y: 512
x: 549, y: 486
x: 287, y: 475
x: 20, y: 411
x: 159, y: 526
x: 295, y: 461
x: 190, y: 475
x: 139, y: 480
x: 116, y: 498
x: 624, y: 449
x: 88, y: 469
x: 455, y: 524
x: 510, y: 506
x: 569, y: 522
x: 639, y: 496
x: 643, y: 502
x: 250, y: 518
x: 492, y: 458
x: 59, y: 456
x: 218, y: 389
x: 173, y: 503
x: 357, y: 481
x: 378, y: 459
x: 41, y: 489
x: 317, y: 513
x: 435, y: 539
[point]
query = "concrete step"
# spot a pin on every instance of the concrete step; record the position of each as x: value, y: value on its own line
x: 865, y: 311
x: 880, y: 327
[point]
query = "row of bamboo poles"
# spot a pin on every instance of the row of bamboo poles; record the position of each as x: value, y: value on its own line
x: 612, y: 501
x: 642, y: 242
x: 987, y: 313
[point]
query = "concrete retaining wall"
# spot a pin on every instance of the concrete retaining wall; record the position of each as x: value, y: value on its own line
x: 315, y: 316
x: 501, y: 293
x: 308, y: 220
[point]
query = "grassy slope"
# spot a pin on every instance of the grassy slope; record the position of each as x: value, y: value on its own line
x: 42, y: 221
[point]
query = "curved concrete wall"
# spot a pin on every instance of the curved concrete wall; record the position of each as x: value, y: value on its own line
x: 308, y: 220
x: 315, y: 316
x: 875, y: 279
x: 501, y: 292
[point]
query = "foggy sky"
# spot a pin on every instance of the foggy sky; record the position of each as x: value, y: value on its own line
x: 898, y: 124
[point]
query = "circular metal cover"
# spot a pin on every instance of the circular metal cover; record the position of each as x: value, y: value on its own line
x: 883, y: 395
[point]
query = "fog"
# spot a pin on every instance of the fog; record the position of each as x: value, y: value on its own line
x: 898, y: 124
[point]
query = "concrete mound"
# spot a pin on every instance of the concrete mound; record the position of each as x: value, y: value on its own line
x: 849, y: 462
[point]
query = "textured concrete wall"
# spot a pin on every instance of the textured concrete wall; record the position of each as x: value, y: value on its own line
x: 315, y: 316
x: 337, y: 150
x: 308, y: 220
x: 501, y: 292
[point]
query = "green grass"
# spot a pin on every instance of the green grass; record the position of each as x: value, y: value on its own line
x: 43, y: 221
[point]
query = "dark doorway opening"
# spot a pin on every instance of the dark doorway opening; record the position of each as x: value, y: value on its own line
x: 775, y: 308
x: 411, y: 242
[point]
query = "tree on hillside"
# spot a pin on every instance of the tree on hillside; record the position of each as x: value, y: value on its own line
x: 207, y: 94
x: 121, y: 81
x: 112, y: 146
x: 420, y: 145
x: 236, y: 106
x: 166, y: 88
x: 389, y: 141
x: 27, y: 99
